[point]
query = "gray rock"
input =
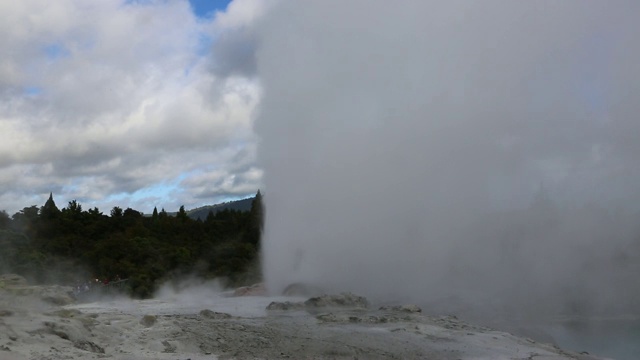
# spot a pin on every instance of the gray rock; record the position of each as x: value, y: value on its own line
x: 12, y: 280
x: 284, y: 306
x: 300, y: 289
x: 168, y: 347
x: 410, y: 308
x: 341, y: 300
x: 214, y: 314
x: 148, y: 320
x: 89, y: 346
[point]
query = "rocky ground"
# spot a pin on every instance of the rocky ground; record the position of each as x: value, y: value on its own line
x: 43, y: 323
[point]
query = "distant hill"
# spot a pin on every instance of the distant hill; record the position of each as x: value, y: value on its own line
x: 238, y: 205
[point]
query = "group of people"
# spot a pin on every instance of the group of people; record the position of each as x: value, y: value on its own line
x: 85, y: 286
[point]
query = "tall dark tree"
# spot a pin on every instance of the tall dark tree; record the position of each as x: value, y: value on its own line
x: 256, y: 221
x: 49, y: 210
x: 210, y: 217
x: 49, y: 224
x: 25, y: 220
x: 74, y: 208
x: 182, y: 214
x: 257, y: 210
x: 5, y: 220
x: 95, y: 212
x: 116, y: 212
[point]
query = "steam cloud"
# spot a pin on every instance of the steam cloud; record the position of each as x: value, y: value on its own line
x: 483, y: 151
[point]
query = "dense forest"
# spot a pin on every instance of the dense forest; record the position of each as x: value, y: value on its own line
x: 69, y: 245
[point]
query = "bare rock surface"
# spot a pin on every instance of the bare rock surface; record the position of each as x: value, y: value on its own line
x: 343, y: 300
x: 285, y: 305
x: 214, y: 315
x: 12, y: 280
x: 253, y: 290
x: 340, y: 300
x: 302, y: 289
x: 16, y: 287
x: 410, y: 308
x: 342, y: 326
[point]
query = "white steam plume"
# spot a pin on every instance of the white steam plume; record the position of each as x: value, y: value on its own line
x: 436, y: 148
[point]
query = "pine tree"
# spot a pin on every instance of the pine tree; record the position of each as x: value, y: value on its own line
x: 49, y: 210
x: 182, y: 214
x: 116, y: 212
x: 256, y: 222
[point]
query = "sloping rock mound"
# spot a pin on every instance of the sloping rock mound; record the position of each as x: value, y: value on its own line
x: 214, y: 315
x: 300, y: 289
x: 344, y: 300
x: 284, y: 306
x: 12, y: 280
x: 89, y: 346
x: 52, y: 294
x: 409, y: 308
x: 56, y: 295
x: 71, y: 332
x: 253, y: 290
x: 341, y: 300
x: 148, y: 320
x: 343, y: 318
x: 384, y: 315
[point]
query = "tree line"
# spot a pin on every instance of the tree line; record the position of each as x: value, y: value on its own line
x: 51, y: 245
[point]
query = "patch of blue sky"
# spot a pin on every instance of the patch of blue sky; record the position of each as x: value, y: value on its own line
x: 162, y: 193
x: 207, y: 8
x: 202, y: 50
x: 56, y: 51
x: 205, y: 41
x: 32, y: 90
x: 204, y: 9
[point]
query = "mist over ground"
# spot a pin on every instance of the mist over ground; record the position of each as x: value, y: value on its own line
x: 482, y: 153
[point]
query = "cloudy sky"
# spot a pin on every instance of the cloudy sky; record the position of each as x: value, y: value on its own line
x: 127, y: 103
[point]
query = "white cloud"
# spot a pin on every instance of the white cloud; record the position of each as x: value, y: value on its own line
x: 241, y: 13
x: 106, y: 97
x: 236, y: 37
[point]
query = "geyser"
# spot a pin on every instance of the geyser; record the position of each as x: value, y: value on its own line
x: 482, y: 152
